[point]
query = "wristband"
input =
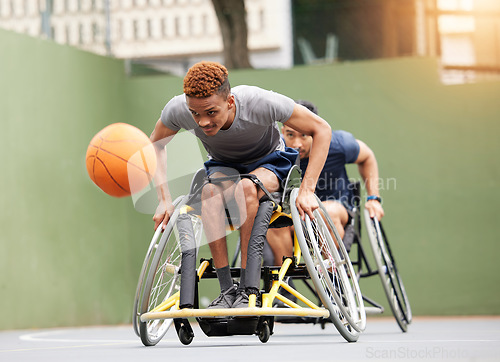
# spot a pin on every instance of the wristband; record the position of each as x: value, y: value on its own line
x: 373, y: 197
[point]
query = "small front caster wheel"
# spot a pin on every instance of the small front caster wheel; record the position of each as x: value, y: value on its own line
x: 185, y: 336
x: 264, y: 332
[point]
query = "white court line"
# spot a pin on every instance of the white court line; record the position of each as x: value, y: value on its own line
x: 47, y: 337
x: 78, y: 343
x: 42, y: 337
x: 61, y: 347
x: 57, y: 336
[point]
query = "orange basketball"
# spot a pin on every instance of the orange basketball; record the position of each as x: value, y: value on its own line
x: 121, y: 160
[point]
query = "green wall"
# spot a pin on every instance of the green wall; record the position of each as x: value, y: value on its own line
x: 70, y: 255
x: 66, y: 253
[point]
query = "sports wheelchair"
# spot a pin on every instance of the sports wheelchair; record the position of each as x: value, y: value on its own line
x: 382, y: 255
x: 167, y: 291
x: 385, y: 264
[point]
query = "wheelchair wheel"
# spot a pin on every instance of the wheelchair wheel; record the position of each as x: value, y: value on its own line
x: 391, y: 280
x: 163, y: 279
x: 185, y: 336
x: 153, y: 246
x: 330, y: 270
x: 142, y: 276
x: 264, y: 333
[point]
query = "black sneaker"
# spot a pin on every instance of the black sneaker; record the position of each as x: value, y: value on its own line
x: 224, y: 300
x: 242, y: 298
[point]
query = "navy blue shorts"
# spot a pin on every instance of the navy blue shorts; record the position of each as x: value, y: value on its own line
x: 279, y: 162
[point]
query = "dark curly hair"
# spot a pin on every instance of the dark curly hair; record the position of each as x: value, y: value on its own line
x: 309, y: 105
x: 205, y: 79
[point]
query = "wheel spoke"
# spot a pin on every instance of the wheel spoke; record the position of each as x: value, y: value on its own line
x: 330, y: 270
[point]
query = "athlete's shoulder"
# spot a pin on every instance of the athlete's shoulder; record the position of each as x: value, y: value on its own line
x: 344, y: 142
x: 177, y: 102
x: 248, y: 91
x: 175, y: 114
x: 343, y: 136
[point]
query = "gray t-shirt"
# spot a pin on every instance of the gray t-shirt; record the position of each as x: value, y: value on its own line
x: 254, y: 132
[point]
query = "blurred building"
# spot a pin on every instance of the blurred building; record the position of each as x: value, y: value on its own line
x: 171, y: 35
x: 465, y: 34
x: 167, y: 34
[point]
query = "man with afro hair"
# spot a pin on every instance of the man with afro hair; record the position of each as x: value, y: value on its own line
x: 239, y: 129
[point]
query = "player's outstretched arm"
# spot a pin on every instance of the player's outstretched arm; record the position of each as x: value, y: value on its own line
x: 368, y: 169
x: 160, y: 137
x: 306, y: 122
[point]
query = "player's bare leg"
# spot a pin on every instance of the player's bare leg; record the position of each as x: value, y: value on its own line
x: 213, y: 216
x: 281, y: 243
x: 251, y: 196
x: 338, y: 214
x: 249, y: 282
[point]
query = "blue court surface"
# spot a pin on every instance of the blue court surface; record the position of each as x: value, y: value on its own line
x: 436, y: 338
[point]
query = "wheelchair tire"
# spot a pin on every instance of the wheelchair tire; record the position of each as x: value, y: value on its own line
x: 330, y: 270
x: 153, y: 246
x: 163, y: 279
x: 185, y: 336
x: 264, y: 332
x: 388, y: 272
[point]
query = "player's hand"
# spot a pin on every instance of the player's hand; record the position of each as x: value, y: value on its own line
x: 162, y: 215
x: 306, y: 203
x: 375, y: 209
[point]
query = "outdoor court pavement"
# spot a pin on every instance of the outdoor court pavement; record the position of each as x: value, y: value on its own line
x: 449, y: 339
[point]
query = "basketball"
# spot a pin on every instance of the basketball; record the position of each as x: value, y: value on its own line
x: 121, y: 160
